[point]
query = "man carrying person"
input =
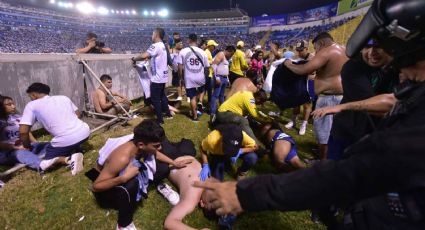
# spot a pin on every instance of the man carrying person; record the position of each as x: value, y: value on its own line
x: 303, y: 54
x: 59, y: 116
x: 220, y: 67
x: 158, y: 55
x: 328, y: 62
x: 123, y: 170
x: 238, y: 65
x: 192, y: 60
x: 103, y: 101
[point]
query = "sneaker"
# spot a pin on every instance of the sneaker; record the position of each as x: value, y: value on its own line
x: 302, y: 129
x: 200, y: 107
x: 195, y: 119
x: 168, y: 117
x: 226, y: 222
x: 188, y: 100
x: 169, y: 194
x: 274, y: 114
x: 179, y: 98
x: 314, y: 217
x: 76, y: 163
x: 45, y: 164
x: 128, y: 227
x: 289, y: 125
x: 199, y: 113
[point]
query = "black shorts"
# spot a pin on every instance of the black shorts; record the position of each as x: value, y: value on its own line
x: 193, y: 92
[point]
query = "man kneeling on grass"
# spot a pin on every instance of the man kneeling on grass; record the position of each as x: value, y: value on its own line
x: 124, y: 168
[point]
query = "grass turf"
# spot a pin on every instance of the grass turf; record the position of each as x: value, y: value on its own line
x: 58, y: 200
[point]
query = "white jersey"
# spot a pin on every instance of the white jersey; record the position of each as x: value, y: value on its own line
x: 10, y: 129
x: 57, y: 115
x: 159, y: 62
x: 194, y: 75
x: 174, y: 57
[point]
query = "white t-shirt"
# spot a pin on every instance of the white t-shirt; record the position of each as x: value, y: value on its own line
x: 193, y: 69
x: 158, y: 62
x: 57, y: 115
x: 10, y: 129
x: 174, y: 57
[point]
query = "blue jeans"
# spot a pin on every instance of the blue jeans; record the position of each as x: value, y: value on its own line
x: 218, y: 163
x: 159, y: 100
x: 218, y: 92
x: 29, y: 158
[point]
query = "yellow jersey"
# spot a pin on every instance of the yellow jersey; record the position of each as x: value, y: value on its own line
x: 242, y: 103
x: 213, y: 145
x: 238, y: 63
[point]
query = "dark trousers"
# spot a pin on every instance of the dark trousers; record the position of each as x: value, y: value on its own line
x: 233, y: 77
x: 218, y: 164
x: 159, y: 100
x: 121, y: 198
x: 52, y: 152
x: 208, y: 87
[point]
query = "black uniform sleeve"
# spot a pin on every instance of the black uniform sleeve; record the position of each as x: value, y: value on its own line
x: 384, y: 162
x: 355, y: 81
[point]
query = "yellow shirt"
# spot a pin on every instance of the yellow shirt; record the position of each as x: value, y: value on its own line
x: 213, y: 145
x: 210, y: 60
x: 242, y: 103
x: 238, y: 63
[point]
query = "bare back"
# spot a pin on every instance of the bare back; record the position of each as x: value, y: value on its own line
x: 241, y: 84
x: 328, y: 77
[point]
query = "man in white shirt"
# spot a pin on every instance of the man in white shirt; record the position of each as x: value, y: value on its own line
x: 193, y: 61
x: 59, y: 116
x: 158, y: 55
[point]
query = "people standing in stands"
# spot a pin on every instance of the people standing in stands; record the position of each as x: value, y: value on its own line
x: 60, y: 117
x: 192, y: 63
x: 11, y: 149
x: 93, y: 46
x: 120, y: 178
x: 289, y: 54
x: 158, y: 55
x: 303, y: 54
x: 104, y: 102
x: 328, y: 62
x: 220, y: 67
x: 177, y: 80
x: 238, y: 65
x: 209, y: 86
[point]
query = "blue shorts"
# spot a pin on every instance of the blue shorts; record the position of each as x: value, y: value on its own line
x: 283, y: 136
x: 52, y: 152
x: 193, y: 92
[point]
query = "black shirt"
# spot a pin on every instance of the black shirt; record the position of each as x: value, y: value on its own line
x: 389, y: 160
x: 360, y: 82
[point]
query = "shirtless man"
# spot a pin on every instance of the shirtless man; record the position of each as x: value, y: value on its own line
x: 103, y: 103
x: 252, y: 82
x: 303, y: 54
x: 328, y: 62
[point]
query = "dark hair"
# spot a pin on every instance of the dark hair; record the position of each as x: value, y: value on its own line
x: 3, y: 114
x: 176, y: 33
x: 256, y: 54
x: 91, y: 35
x: 321, y: 36
x: 260, y: 96
x: 276, y: 44
x: 105, y: 77
x: 148, y: 131
x: 251, y: 74
x: 177, y: 40
x: 160, y: 32
x: 291, y: 47
x: 193, y: 37
x: 230, y: 49
x: 38, y: 88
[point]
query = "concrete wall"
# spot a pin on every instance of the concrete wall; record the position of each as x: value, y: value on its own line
x: 64, y: 75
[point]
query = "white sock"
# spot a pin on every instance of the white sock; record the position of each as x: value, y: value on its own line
x: 304, y: 123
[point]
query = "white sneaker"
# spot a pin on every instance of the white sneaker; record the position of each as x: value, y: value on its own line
x: 128, y: 227
x: 188, y: 100
x: 76, y: 163
x: 179, y: 98
x: 45, y: 164
x: 302, y: 129
x: 289, y: 125
x: 169, y: 194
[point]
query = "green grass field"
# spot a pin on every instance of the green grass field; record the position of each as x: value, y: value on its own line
x: 58, y: 200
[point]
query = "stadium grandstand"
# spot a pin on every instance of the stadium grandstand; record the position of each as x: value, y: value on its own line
x: 62, y: 32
